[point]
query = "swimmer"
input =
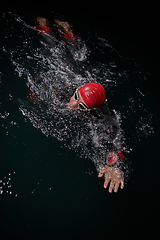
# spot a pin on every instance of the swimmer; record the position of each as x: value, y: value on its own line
x: 92, y: 96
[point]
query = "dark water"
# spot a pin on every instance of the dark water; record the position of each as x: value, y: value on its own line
x: 47, y: 190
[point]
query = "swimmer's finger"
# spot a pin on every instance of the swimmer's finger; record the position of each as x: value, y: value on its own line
x: 111, y: 186
x: 100, y: 175
x: 106, y: 181
x: 116, y: 186
x: 122, y: 184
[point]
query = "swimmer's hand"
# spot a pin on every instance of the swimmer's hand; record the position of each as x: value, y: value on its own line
x: 112, y: 175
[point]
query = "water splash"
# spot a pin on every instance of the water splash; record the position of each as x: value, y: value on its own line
x: 74, y: 64
x: 6, y: 185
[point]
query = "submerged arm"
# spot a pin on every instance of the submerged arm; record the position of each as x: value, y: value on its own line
x: 109, y: 164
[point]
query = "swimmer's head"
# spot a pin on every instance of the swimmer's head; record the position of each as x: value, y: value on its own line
x: 91, y: 95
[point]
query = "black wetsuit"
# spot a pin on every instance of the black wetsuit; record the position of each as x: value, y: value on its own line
x: 100, y: 126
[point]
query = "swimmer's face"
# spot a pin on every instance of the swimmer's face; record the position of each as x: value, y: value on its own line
x: 76, y: 102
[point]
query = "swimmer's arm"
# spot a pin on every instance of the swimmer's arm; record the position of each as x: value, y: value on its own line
x: 113, y: 177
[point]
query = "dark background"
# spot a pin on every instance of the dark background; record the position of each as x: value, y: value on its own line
x: 134, y: 31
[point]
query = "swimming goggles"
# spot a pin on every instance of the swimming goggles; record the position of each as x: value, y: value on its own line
x: 82, y: 106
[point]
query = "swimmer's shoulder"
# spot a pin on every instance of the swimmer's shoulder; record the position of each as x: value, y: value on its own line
x: 103, y: 111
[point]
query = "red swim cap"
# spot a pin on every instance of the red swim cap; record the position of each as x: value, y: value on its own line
x: 93, y: 94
